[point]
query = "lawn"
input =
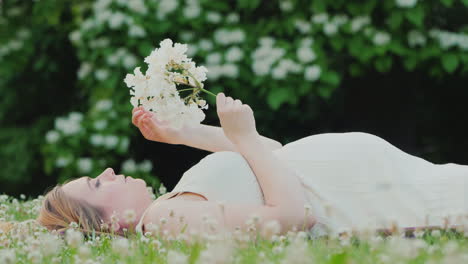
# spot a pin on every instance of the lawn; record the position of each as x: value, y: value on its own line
x: 29, y: 243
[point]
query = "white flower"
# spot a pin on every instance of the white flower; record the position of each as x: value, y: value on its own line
x: 136, y: 31
x: 234, y: 54
x: 230, y: 70
x: 232, y: 18
x: 286, y: 5
x: 138, y: 6
x: 205, y: 44
x: 320, y: 18
x: 213, y: 17
x: 192, y: 9
x: 7, y: 256
x: 52, y: 136
x: 96, y: 140
x: 226, y: 37
x: 101, y: 74
x: 305, y: 54
x: 85, y: 165
x: 129, y: 166
x: 124, y: 143
x: 162, y: 190
x: 129, y: 61
x: 146, y: 166
x: 406, y: 3
x: 175, y: 257
x: 359, y: 22
x: 166, y: 7
x: 73, y: 237
x: 129, y: 216
x: 381, y: 38
x: 62, y: 162
x: 330, y: 29
x: 312, y: 73
x: 103, y: 105
x: 100, y: 124
x: 302, y: 25
x: 213, y: 58
x: 84, y: 70
x: 121, y: 246
x: 416, y: 38
x: 116, y: 20
x: 75, y: 36
x: 50, y: 244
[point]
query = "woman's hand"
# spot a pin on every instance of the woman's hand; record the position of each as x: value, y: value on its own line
x: 153, y: 129
x: 237, y: 119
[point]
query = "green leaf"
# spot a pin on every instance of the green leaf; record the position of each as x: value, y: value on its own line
x: 383, y: 64
x: 465, y: 2
x: 450, y: 62
x: 331, y: 78
x: 410, y: 63
x: 278, y: 96
x: 325, y: 91
x: 395, y: 20
x: 447, y: 3
x: 416, y: 16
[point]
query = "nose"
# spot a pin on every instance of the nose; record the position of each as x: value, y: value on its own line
x: 107, y: 174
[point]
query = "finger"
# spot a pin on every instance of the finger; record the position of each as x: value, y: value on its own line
x: 237, y: 102
x: 140, y: 119
x: 220, y: 100
x: 137, y: 114
x: 137, y: 108
x: 229, y: 101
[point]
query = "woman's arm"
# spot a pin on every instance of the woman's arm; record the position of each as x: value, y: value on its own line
x: 209, y: 138
x: 212, y: 138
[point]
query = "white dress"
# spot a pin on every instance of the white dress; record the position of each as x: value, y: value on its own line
x: 352, y: 180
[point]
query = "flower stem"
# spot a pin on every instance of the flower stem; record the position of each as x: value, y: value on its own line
x: 199, y: 85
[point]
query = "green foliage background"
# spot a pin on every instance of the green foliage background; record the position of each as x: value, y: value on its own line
x: 67, y: 58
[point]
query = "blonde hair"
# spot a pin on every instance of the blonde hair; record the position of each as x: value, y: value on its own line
x: 59, y: 210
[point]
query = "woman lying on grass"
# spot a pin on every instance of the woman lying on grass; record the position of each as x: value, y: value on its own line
x: 326, y: 183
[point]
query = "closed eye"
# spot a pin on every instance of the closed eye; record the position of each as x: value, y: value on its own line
x: 98, y: 183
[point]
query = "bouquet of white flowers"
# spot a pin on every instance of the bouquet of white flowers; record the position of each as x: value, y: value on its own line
x: 156, y: 90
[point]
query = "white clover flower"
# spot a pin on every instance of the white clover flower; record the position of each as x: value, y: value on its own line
x: 214, y: 72
x: 113, y: 59
x: 7, y: 256
x: 232, y: 18
x: 85, y: 165
x: 266, y: 41
x: 305, y: 54
x: 192, y: 50
x: 121, y: 246
x: 330, y: 29
x: 213, y: 17
x: 166, y: 7
x: 312, y: 73
x: 226, y: 37
x: 129, y: 61
x: 50, y: 244
x: 111, y: 141
x: 52, y: 136
x: 286, y: 5
x: 279, y: 73
x: 213, y: 58
x: 234, y: 54
x: 406, y: 3
x: 187, y: 36
x: 84, y: 70
x: 101, y: 74
x: 73, y: 238
x: 24, y: 33
x: 176, y: 257
x: 381, y: 38
x: 129, y: 166
x: 340, y: 19
x: 320, y: 18
x: 99, y: 43
x: 416, y: 38
x: 129, y: 216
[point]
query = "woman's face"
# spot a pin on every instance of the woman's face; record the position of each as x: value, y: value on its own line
x: 113, y: 193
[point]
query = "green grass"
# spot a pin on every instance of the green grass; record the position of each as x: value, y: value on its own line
x: 29, y: 243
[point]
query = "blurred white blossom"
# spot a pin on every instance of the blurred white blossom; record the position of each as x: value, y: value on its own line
x: 381, y: 38
x: 192, y: 9
x: 286, y: 5
x: 213, y: 17
x: 320, y: 18
x: 416, y: 38
x: 166, y: 7
x: 406, y: 3
x: 129, y: 166
x: 312, y: 73
x: 85, y: 165
x: 234, y: 54
x: 232, y: 18
x: 52, y: 136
